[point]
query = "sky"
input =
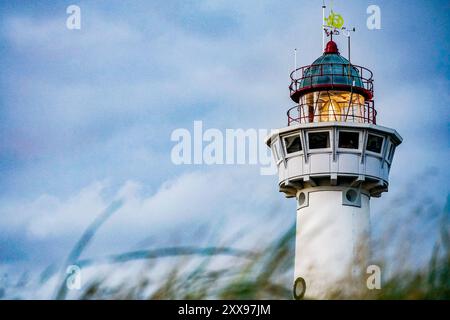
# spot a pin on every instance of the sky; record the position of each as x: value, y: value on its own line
x: 86, y: 117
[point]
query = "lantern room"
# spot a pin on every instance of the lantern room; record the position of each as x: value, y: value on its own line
x: 332, y: 89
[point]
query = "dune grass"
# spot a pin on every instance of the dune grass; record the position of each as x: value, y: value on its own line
x: 225, y: 272
x: 266, y: 273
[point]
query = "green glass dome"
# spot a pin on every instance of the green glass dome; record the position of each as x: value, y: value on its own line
x: 331, y: 71
x: 330, y: 68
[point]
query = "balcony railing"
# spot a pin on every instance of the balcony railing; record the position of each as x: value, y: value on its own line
x: 331, y: 75
x: 342, y: 112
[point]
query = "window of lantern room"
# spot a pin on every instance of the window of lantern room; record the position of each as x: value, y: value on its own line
x: 293, y: 144
x: 391, y: 152
x: 319, y: 140
x: 374, y: 143
x: 276, y: 150
x: 329, y: 106
x: 348, y: 140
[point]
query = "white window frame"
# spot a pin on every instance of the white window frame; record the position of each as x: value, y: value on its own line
x: 380, y: 154
x: 389, y: 155
x: 277, y: 151
x: 348, y: 150
x: 321, y: 150
x: 292, y: 154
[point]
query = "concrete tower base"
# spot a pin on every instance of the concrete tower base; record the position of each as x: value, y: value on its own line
x: 334, y: 222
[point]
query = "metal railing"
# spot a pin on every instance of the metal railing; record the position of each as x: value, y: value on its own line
x: 336, y: 72
x: 354, y: 112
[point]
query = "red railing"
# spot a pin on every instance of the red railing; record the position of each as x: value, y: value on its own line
x: 335, y: 72
x: 355, y: 112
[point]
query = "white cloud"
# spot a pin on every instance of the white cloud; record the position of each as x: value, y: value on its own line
x: 229, y: 197
x: 48, y: 216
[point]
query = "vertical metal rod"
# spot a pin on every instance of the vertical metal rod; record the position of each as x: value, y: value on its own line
x: 348, y: 38
x: 295, y: 65
x: 323, y: 25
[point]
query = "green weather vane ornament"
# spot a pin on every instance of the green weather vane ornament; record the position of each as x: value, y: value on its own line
x: 334, y: 20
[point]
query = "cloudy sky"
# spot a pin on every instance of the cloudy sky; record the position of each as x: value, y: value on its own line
x: 86, y: 115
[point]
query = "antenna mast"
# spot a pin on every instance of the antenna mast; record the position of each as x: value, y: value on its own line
x: 323, y: 25
x: 295, y: 62
x: 347, y: 33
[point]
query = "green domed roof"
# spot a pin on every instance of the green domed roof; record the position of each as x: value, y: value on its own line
x: 331, y: 71
x: 330, y: 68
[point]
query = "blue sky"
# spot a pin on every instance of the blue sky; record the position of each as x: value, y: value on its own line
x: 86, y: 115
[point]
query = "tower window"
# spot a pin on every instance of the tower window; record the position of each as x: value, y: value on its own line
x: 374, y: 143
x: 348, y: 140
x: 293, y: 144
x: 319, y: 140
x: 276, y: 150
x: 391, y: 152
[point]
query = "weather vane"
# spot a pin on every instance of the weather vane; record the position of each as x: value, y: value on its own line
x: 331, y: 24
x: 334, y: 20
x: 334, y: 25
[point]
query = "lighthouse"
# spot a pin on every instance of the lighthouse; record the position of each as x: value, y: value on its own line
x: 332, y: 158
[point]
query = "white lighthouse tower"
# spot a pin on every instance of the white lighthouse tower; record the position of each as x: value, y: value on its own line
x: 332, y: 158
